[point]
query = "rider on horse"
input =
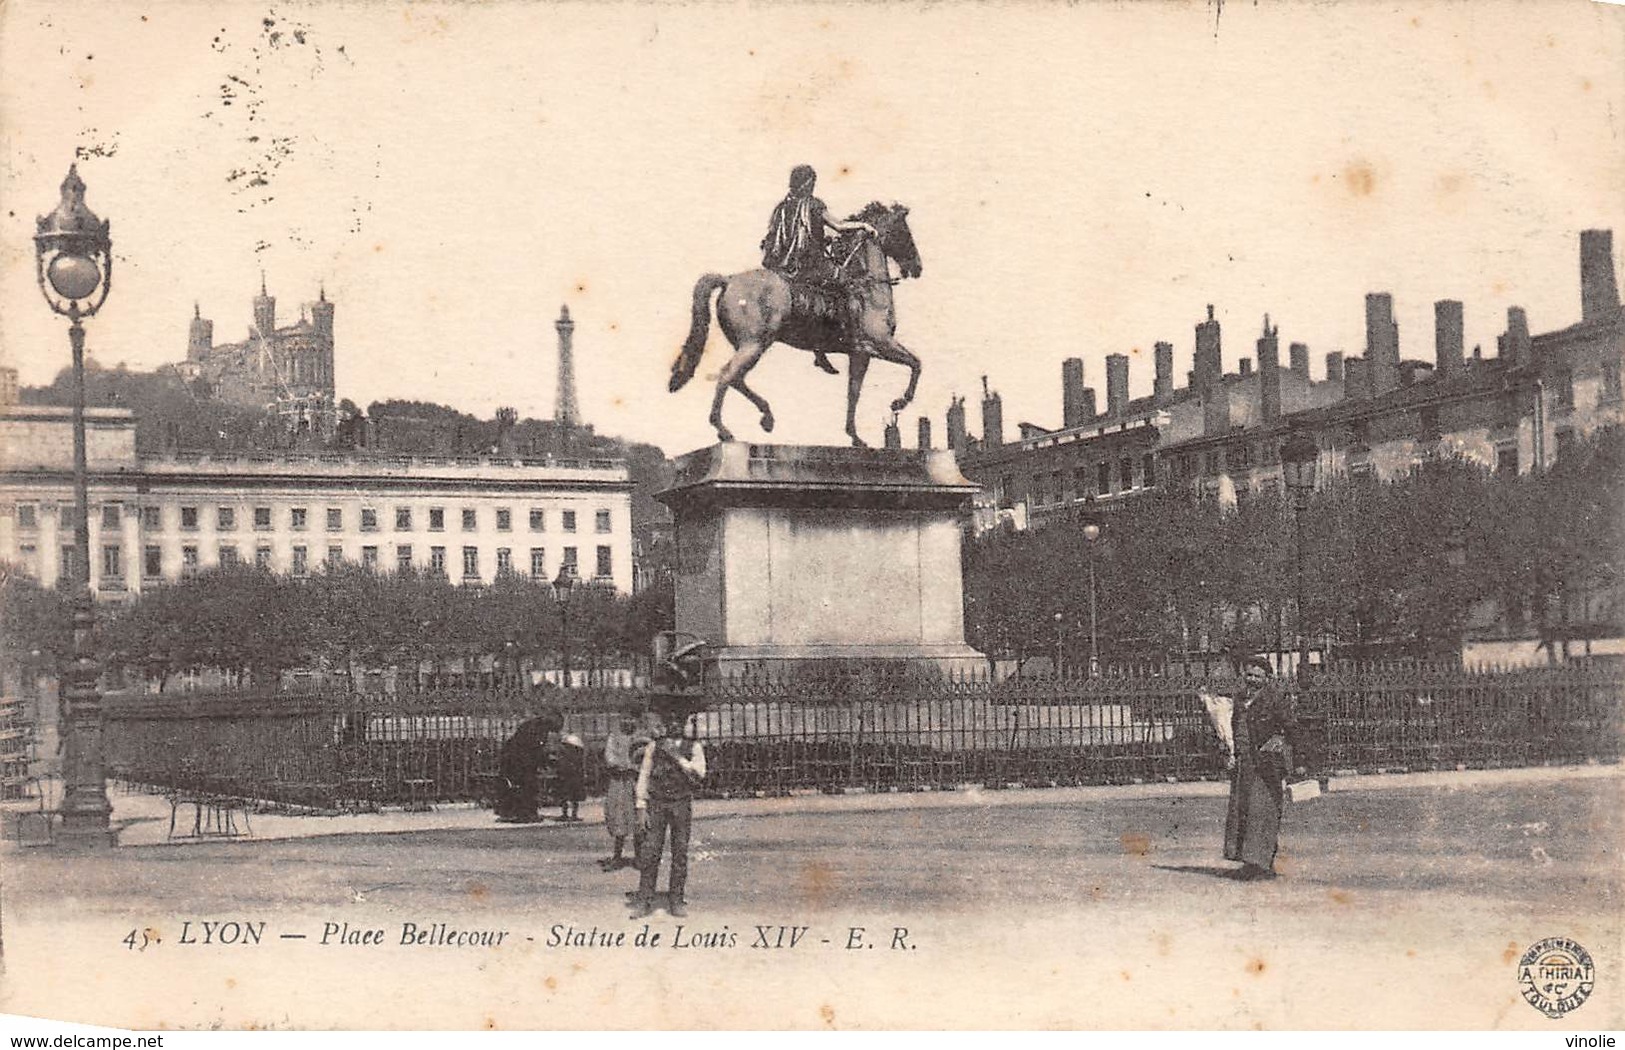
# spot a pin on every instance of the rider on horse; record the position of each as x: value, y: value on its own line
x: 795, y: 247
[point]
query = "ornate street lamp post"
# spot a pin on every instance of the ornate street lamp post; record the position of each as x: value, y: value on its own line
x: 73, y: 256
x: 1091, y: 534
x: 1059, y: 618
x: 561, y: 591
x: 1299, y: 456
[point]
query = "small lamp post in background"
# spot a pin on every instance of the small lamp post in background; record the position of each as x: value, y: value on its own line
x: 1091, y: 535
x: 1299, y: 457
x: 1058, y: 620
x: 562, y: 585
x: 73, y: 259
x: 1455, y: 556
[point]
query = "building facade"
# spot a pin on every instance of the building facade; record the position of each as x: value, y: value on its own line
x: 157, y: 518
x: 1373, y: 415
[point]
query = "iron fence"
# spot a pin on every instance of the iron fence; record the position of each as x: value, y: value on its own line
x: 332, y: 750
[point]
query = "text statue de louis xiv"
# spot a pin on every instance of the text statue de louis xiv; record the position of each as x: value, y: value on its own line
x: 825, y: 286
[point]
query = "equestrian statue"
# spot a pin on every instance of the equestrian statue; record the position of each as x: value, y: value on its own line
x: 826, y: 295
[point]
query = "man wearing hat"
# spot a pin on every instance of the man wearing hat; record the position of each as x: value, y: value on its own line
x: 794, y: 245
x: 1260, y: 723
x: 673, y: 766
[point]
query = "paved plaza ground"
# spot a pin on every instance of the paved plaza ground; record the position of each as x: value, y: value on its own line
x: 1404, y: 902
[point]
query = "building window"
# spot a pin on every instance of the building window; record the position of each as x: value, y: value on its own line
x: 369, y: 558
x: 601, y: 521
x: 471, y: 563
x: 567, y: 564
x: 188, y: 560
x: 112, y: 562
x: 437, y: 519
x: 538, y: 520
x: 504, y: 561
x: 189, y: 518
x: 262, y: 518
x: 470, y: 522
x: 1506, y: 460
x: 225, y: 518
x: 1125, y: 470
x: 403, y: 557
x: 1428, y: 424
x: 606, y: 563
x: 1103, y: 478
x: 403, y: 519
x: 437, y: 560
x: 69, y: 564
x: 27, y: 516
x: 369, y: 519
x: 335, y: 519
x: 1148, y: 470
x: 1565, y: 443
x: 538, y: 566
x: 152, y: 518
x: 1080, y: 482
x: 1563, y: 389
x: 569, y: 521
x: 1056, y: 486
x: 1611, y: 389
x: 335, y: 556
x: 301, y: 561
x: 504, y: 519
x: 228, y: 556
x: 110, y: 516
x: 296, y: 519
x: 262, y: 557
x: 1040, y: 490
x: 152, y: 561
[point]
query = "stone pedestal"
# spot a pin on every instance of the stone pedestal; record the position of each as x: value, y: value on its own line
x: 794, y: 555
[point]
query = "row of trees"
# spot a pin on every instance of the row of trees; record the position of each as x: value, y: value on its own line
x: 1400, y: 566
x: 248, y: 622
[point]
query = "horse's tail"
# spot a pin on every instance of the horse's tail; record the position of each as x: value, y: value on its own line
x: 682, y: 369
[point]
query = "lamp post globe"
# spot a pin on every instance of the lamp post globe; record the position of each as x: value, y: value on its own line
x: 73, y: 261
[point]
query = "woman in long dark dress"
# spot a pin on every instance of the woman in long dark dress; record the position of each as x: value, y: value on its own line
x: 1260, y: 724
x: 520, y: 765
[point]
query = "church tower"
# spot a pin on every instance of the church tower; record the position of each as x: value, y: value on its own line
x: 321, y: 319
x: 200, y: 339
x: 567, y: 413
x: 264, y: 311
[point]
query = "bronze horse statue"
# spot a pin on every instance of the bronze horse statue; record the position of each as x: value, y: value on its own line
x: 754, y: 312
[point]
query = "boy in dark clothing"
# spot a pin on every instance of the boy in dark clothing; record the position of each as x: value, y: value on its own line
x: 572, y: 778
x: 671, y: 769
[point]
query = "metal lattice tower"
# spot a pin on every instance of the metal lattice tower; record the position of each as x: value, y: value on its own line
x: 567, y: 413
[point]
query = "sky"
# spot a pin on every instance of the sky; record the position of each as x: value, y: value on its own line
x: 1082, y: 180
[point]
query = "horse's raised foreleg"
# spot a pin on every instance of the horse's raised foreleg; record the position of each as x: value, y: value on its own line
x: 759, y: 401
x: 897, y: 353
x: 857, y: 365
x: 733, y: 373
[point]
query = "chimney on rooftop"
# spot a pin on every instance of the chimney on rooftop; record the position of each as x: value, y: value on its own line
x: 1599, y: 292
x: 1116, y: 384
x: 1269, y: 372
x: 1163, y: 391
x: 1381, y: 342
x: 1447, y: 339
x: 1072, y: 392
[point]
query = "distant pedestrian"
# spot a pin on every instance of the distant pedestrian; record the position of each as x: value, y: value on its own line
x: 673, y: 766
x: 620, y: 796
x: 1261, y: 721
x: 572, y: 778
